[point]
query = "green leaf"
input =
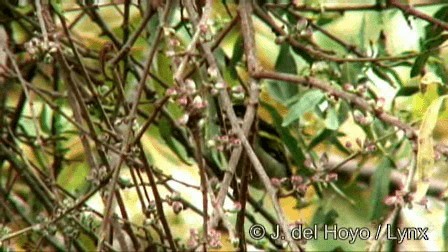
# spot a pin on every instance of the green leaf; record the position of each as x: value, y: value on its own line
x: 237, y: 51
x: 305, y: 56
x: 419, y: 64
x: 343, y: 112
x: 380, y: 187
x: 407, y: 91
x: 350, y: 72
x: 362, y: 33
x: 439, y: 69
x: 306, y: 103
x: 331, y: 121
x: 324, y: 135
x: 425, y: 154
x: 286, y: 63
x: 175, y: 146
x: 431, y: 30
x: 57, y: 6
x: 288, y: 139
x: 434, y: 42
x: 45, y: 119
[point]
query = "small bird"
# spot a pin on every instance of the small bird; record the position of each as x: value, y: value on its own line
x: 271, y: 153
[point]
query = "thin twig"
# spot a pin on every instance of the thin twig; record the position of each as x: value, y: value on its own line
x: 226, y: 104
x: 407, y: 9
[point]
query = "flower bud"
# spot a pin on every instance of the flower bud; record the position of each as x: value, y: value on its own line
x: 183, y: 120
x: 190, y: 86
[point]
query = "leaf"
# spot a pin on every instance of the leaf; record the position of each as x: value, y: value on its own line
x: 362, y: 33
x: 286, y: 63
x: 350, y: 72
x: 425, y: 154
x: 57, y: 6
x: 237, y: 52
x: 331, y: 121
x: 324, y: 135
x: 175, y: 146
x: 290, y: 142
x: 407, y: 91
x: 434, y: 42
x: 45, y: 119
x: 305, y: 56
x: 306, y: 103
x: 439, y: 69
x: 419, y: 64
x: 343, y: 111
x: 431, y: 30
x: 380, y: 187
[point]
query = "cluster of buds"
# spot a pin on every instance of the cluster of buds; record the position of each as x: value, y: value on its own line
x: 278, y: 182
x: 400, y: 198
x: 319, y: 165
x: 224, y: 142
x: 193, y: 240
x: 324, y: 70
x: 367, y: 146
x: 325, y: 177
x: 238, y: 92
x: 362, y: 119
x: 96, y: 176
x: 37, y: 48
x: 216, y: 84
x: 379, y: 104
x: 360, y: 89
x: 214, y: 238
x: 175, y: 47
x: 319, y: 67
x: 299, y: 185
x: 187, y: 97
x: 302, y: 30
x: 205, y: 29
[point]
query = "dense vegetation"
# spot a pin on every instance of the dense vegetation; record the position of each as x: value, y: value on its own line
x: 205, y: 125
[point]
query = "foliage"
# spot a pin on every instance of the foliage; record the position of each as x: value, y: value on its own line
x: 190, y: 125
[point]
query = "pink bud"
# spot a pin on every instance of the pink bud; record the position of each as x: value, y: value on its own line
x: 331, y: 177
x: 348, y: 144
x: 183, y: 120
x: 171, y: 91
x: 390, y: 200
x: 276, y: 182
x: 177, y: 207
x: 296, y: 180
x: 348, y: 87
x: 182, y: 100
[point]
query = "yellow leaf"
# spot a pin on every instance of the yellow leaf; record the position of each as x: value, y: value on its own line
x: 425, y: 155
